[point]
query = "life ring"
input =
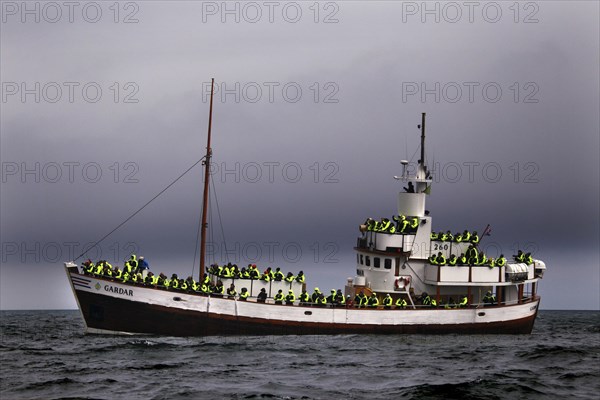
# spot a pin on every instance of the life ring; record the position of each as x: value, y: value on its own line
x: 402, y: 282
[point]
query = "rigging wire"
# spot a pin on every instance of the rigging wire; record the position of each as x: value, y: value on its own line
x: 197, y: 241
x: 220, y: 220
x: 140, y: 209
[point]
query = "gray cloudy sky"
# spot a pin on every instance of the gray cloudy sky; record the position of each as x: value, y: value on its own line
x: 104, y: 105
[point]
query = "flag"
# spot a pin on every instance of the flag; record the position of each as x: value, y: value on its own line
x: 487, y: 231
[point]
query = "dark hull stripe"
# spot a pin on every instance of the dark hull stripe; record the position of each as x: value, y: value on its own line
x: 120, y: 315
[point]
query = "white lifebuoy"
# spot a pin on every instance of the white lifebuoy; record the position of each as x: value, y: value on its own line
x: 399, y: 284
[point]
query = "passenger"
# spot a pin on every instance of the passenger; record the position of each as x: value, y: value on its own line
x: 528, y: 259
x: 501, y: 261
x: 410, y: 188
x: 450, y: 303
x: 266, y: 276
x: 385, y: 225
x: 254, y: 274
x: 440, y: 260
x: 143, y: 267
x: 304, y: 298
x: 183, y: 286
x: 489, y: 299
x: 278, y: 275
x: 463, y: 302
x: 290, y: 277
x: 472, y: 255
x: 315, y: 295
x: 433, y: 259
x: 321, y: 300
x: 231, y: 292
x: 519, y: 257
x: 205, y: 287
x: 387, y: 302
x: 117, y: 273
x: 452, y: 260
x: 358, y: 299
x: 219, y: 288
x: 458, y: 237
x: 133, y: 264
x: 191, y: 284
x: 88, y: 267
x: 300, y: 277
x: 149, y: 278
x: 373, y: 300
x: 99, y: 268
x: 107, y: 270
x: 161, y: 280
x: 401, y: 302
x: 434, y: 236
x: 279, y: 297
x: 364, y: 301
x: 244, y: 294
x: 466, y: 236
x: 262, y: 296
x: 244, y: 274
x: 415, y: 223
x: 425, y: 299
x: 290, y: 298
x: 462, y: 259
x: 339, y: 298
x: 174, y: 282
x: 474, y: 237
x: 482, y: 259
x: 331, y: 297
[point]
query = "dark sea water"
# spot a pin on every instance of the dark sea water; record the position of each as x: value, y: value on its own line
x: 45, y: 355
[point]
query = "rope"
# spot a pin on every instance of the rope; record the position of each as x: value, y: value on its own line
x: 140, y: 209
x: 220, y: 221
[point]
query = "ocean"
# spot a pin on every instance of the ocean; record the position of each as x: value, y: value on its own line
x: 45, y: 355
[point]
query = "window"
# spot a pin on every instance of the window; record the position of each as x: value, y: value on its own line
x: 388, y: 263
x: 376, y: 262
x: 362, y: 262
x: 367, y: 261
x: 357, y: 259
x: 360, y: 272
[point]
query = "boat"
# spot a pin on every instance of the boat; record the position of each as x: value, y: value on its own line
x: 409, y: 279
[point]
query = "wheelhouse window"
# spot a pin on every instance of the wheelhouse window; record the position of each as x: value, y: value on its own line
x: 387, y: 263
x: 362, y: 261
x: 357, y: 259
x: 367, y: 261
x: 377, y: 262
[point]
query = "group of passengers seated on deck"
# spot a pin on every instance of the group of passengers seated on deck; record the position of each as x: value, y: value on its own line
x: 398, y: 224
x: 251, y: 272
x: 472, y: 257
x: 465, y: 237
x: 426, y: 300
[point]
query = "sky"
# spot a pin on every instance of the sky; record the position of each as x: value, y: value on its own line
x: 104, y: 104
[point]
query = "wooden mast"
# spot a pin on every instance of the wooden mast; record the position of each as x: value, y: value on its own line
x: 206, y: 186
x: 423, y: 139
